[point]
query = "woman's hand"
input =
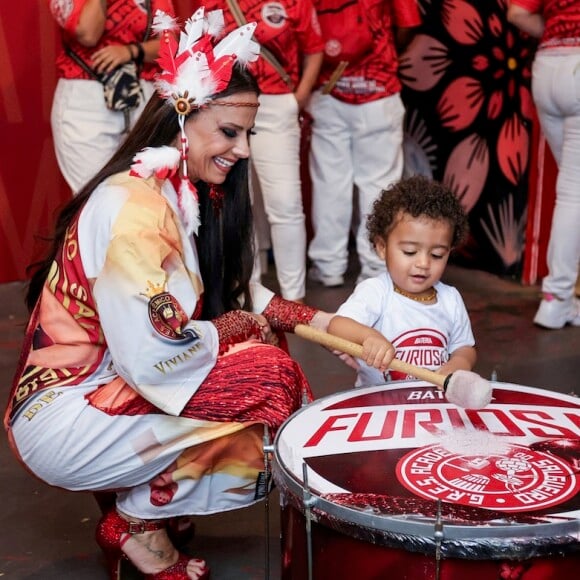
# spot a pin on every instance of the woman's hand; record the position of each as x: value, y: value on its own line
x: 302, y: 100
x: 311, y: 64
x: 266, y: 334
x: 320, y: 321
x: 110, y: 57
x: 348, y: 360
x: 238, y: 326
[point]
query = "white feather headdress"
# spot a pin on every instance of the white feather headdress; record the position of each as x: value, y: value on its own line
x: 192, y: 72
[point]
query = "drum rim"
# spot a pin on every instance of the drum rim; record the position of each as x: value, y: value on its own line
x: 557, y: 533
x: 395, y: 524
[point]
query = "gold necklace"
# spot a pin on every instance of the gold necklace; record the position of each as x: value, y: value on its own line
x: 428, y: 298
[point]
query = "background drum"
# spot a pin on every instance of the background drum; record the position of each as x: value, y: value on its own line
x: 394, y: 482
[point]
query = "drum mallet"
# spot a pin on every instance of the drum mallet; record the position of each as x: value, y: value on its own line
x: 462, y: 388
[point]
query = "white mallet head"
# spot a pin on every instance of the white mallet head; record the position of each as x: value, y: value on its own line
x: 468, y: 390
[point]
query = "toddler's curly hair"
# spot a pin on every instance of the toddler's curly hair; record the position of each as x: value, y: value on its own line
x: 417, y: 196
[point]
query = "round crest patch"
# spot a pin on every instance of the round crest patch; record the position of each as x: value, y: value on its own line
x: 274, y: 14
x: 517, y: 479
x: 167, y: 317
x: 332, y: 47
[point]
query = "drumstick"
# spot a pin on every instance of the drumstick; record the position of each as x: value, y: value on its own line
x: 334, y: 77
x: 462, y: 388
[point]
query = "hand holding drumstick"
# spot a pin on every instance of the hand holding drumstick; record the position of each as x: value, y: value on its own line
x: 376, y: 351
x: 462, y: 388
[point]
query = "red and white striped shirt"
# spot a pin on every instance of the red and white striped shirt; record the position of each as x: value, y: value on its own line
x: 372, y: 74
x: 126, y: 22
x: 561, y: 20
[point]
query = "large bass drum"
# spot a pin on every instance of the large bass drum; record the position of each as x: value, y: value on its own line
x: 394, y: 482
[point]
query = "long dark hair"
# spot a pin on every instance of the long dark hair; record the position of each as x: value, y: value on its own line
x: 225, y: 238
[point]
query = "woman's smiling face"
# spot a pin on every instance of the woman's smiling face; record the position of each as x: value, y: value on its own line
x: 218, y: 136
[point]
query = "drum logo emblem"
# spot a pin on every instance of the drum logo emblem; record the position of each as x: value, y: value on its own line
x: 520, y: 479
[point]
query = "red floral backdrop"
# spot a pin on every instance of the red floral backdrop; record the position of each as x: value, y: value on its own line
x: 467, y: 90
x: 469, y: 124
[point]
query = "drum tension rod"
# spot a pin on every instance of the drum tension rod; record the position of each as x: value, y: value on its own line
x: 309, y: 501
x: 438, y: 534
x: 268, y: 451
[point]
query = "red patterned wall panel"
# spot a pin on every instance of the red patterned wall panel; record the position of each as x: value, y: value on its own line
x: 541, y: 199
x: 31, y: 187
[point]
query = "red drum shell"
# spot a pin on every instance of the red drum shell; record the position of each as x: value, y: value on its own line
x: 370, y: 518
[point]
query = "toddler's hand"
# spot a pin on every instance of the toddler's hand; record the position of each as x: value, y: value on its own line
x: 378, y: 352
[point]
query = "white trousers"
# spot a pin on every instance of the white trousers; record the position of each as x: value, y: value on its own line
x: 86, y: 134
x: 351, y: 145
x: 556, y: 90
x: 123, y: 452
x: 275, y: 155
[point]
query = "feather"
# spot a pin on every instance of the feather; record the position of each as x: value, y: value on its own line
x: 188, y: 206
x: 159, y: 161
x: 166, y: 58
x: 193, y: 78
x: 191, y: 68
x: 215, y: 23
x: 193, y: 30
x: 165, y: 89
x: 204, y: 45
x: 221, y: 73
x: 240, y: 44
x: 162, y: 22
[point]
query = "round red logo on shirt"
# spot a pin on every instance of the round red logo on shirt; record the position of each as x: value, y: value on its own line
x: 274, y: 14
x: 333, y: 47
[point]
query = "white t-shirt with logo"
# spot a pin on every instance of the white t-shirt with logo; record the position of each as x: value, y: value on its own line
x: 424, y: 335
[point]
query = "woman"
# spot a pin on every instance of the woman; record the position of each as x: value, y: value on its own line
x: 556, y: 91
x: 286, y: 71
x: 101, y: 35
x: 148, y: 365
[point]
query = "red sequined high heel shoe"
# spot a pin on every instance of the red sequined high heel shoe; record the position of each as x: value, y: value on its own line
x: 180, y: 529
x: 109, y: 536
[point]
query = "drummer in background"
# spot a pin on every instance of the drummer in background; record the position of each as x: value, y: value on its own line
x: 290, y: 60
x: 414, y: 226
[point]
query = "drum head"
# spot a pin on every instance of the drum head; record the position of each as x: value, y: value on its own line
x: 398, y: 465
